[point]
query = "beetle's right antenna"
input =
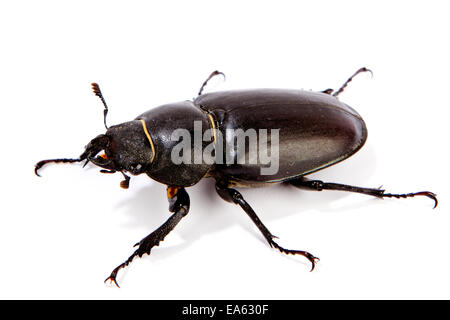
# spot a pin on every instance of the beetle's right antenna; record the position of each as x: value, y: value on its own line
x: 341, y: 89
x: 98, y: 93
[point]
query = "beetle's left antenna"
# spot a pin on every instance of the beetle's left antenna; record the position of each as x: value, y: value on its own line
x: 40, y: 164
x: 98, y: 93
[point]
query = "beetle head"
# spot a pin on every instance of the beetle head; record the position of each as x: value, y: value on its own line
x: 126, y: 148
x: 123, y: 148
x: 95, y: 152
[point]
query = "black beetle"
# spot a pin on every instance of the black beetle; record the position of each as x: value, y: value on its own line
x: 314, y: 130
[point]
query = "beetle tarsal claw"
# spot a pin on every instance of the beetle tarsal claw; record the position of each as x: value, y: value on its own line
x: 36, y: 168
x: 432, y: 196
x: 111, y: 280
x: 113, y: 275
x: 428, y: 194
x: 313, y: 259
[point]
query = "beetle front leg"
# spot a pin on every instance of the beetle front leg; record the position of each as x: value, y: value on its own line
x: 179, y: 203
x: 233, y: 196
x: 319, y: 185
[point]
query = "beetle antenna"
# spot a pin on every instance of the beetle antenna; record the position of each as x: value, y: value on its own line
x: 341, y: 89
x: 40, y: 164
x: 98, y: 93
x: 212, y: 75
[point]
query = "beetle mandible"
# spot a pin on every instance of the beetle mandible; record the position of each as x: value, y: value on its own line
x: 315, y: 130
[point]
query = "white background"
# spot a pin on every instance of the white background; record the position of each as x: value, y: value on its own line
x: 62, y: 234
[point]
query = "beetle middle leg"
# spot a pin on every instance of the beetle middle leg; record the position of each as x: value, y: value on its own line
x: 319, y: 185
x: 179, y: 203
x: 212, y: 75
x: 233, y: 196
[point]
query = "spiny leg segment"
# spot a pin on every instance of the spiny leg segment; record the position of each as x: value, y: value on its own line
x: 319, y: 185
x: 179, y: 203
x: 233, y: 196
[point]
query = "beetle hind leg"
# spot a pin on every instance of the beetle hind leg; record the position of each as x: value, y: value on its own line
x: 342, y: 88
x: 319, y: 185
x: 233, y: 196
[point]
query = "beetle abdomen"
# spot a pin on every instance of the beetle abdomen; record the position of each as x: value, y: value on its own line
x: 316, y: 130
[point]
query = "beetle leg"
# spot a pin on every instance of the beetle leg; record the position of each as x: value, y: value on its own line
x: 233, y: 196
x: 379, y: 193
x: 212, y: 75
x: 179, y: 204
x: 341, y: 89
x: 327, y: 91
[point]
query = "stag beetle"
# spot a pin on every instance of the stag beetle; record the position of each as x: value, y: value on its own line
x: 309, y: 131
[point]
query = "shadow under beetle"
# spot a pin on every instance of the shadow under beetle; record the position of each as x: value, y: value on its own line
x: 316, y: 130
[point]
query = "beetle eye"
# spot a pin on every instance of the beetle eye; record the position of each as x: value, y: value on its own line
x: 100, y: 159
